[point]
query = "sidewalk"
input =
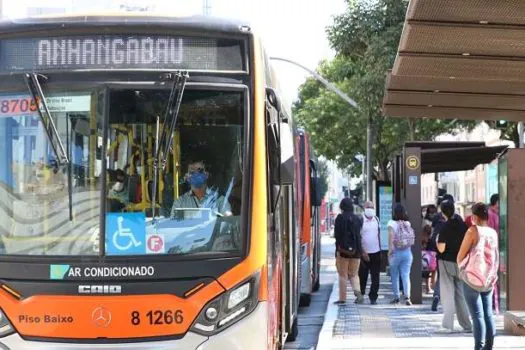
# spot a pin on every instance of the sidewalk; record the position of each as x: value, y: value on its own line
x: 384, y: 326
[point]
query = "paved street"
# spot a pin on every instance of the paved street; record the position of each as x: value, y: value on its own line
x: 378, y: 327
x: 311, y: 318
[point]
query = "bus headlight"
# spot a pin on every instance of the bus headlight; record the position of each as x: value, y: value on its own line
x: 239, y: 295
x: 228, y: 307
x: 5, y: 326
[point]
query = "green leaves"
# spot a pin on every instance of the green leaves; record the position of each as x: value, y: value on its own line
x: 365, y: 38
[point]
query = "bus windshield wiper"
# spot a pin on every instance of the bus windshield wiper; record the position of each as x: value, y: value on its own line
x: 35, y: 89
x: 163, y: 145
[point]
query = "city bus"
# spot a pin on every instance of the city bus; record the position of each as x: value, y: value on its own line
x: 308, y: 205
x: 147, y: 184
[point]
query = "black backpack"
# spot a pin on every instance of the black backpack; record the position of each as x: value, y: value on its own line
x: 352, y: 239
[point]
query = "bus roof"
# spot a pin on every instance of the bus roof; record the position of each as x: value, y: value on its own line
x: 72, y: 21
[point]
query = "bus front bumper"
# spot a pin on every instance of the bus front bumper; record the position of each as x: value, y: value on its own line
x: 248, y: 333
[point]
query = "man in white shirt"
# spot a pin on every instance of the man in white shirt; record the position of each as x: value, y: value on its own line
x: 371, y: 259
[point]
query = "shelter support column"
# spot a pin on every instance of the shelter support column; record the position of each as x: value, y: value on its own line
x: 412, y: 202
x: 513, y: 226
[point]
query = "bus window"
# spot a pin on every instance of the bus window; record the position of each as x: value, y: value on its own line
x: 198, y: 192
x: 49, y: 208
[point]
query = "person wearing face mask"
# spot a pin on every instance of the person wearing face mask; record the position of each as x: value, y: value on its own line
x: 200, y: 195
x: 371, y: 258
x: 119, y: 191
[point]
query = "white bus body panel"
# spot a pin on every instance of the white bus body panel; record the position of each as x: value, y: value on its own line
x: 306, y: 276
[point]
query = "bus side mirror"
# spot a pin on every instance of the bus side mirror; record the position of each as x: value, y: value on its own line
x: 315, y: 191
x: 274, y: 100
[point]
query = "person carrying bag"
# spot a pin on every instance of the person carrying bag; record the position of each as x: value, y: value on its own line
x: 348, y: 250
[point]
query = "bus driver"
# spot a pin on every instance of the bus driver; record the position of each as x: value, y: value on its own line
x: 200, y: 195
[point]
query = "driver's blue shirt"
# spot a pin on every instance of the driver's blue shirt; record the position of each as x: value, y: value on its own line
x: 211, y: 200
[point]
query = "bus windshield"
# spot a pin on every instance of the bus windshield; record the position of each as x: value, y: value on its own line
x: 55, y: 209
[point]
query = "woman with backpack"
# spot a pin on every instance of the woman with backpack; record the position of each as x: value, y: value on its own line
x: 478, y: 259
x: 348, y: 250
x: 400, y: 241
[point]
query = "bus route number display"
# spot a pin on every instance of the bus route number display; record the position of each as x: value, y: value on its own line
x: 16, y: 105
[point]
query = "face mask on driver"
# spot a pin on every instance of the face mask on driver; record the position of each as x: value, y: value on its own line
x: 198, y: 179
x: 118, y: 186
x: 370, y: 212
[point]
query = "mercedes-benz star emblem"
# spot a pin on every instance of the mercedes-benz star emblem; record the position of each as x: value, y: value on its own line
x: 101, y: 317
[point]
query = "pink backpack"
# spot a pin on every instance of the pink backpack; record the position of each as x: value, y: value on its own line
x: 479, y: 269
x: 428, y: 261
x: 404, y: 236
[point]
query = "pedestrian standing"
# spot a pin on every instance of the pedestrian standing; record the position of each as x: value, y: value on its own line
x: 438, y: 221
x: 401, y: 238
x: 371, y: 258
x: 349, y: 250
x: 478, y: 259
x: 449, y: 242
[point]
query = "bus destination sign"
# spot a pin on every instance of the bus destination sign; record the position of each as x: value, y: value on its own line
x: 120, y: 52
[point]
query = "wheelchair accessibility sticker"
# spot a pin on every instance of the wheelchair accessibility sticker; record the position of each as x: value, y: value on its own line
x: 125, y: 234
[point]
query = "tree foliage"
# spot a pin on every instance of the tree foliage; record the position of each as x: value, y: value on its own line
x: 365, y: 39
x: 322, y: 168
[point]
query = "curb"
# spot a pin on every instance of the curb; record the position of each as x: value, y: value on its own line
x: 325, y: 336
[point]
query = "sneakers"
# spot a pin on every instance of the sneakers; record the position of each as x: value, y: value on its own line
x: 373, y: 302
x: 340, y: 302
x: 443, y: 330
x: 394, y: 301
x: 360, y: 299
x: 435, y: 303
x: 408, y: 302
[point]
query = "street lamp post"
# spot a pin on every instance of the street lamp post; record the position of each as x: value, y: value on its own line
x: 322, y: 80
x: 352, y: 103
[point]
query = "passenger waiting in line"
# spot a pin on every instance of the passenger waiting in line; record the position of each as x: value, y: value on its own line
x: 200, y: 195
x: 480, y: 243
x: 371, y: 258
x: 438, y: 222
x: 349, y: 249
x: 449, y: 242
x: 400, y: 240
x: 429, y: 249
x: 493, y: 220
x: 428, y: 260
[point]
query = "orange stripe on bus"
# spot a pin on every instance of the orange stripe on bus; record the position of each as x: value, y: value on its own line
x: 193, y: 290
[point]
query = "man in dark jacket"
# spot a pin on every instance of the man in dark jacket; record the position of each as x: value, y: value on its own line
x: 348, y: 250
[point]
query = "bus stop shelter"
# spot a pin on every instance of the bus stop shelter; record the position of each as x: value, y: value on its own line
x: 465, y: 60
x: 460, y: 59
x: 431, y: 157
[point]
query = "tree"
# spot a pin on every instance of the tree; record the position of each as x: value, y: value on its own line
x: 365, y: 39
x: 510, y: 133
x: 322, y: 168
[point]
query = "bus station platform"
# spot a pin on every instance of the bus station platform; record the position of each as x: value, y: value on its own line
x: 384, y: 326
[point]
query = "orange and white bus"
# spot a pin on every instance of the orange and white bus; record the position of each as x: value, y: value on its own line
x: 308, y: 203
x: 147, y: 187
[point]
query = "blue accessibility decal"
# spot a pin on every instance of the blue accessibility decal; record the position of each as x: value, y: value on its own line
x: 125, y: 234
